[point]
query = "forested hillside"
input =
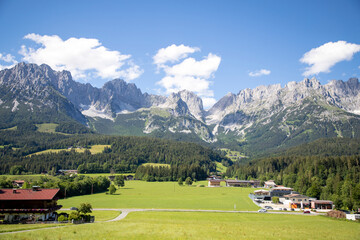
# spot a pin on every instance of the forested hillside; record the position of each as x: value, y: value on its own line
x: 124, y: 155
x: 325, y: 169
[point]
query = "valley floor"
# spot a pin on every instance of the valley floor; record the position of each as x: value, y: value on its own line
x: 202, y: 225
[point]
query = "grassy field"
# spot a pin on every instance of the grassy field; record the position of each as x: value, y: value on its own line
x: 157, y: 164
x: 140, y: 194
x: 46, y: 127
x: 221, y: 168
x: 190, y: 225
x: 233, y: 155
x: 100, y: 216
x: 94, y: 150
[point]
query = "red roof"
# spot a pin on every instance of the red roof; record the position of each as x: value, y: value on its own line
x: 28, y: 194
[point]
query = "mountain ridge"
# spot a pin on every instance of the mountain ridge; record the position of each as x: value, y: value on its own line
x: 270, y: 115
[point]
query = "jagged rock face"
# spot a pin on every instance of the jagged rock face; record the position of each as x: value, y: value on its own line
x: 26, y: 89
x: 259, y: 113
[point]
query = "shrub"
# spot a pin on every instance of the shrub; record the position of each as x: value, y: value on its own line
x: 62, y: 218
x: 201, y: 185
x: 188, y: 181
x: 112, y: 189
x: 74, y: 216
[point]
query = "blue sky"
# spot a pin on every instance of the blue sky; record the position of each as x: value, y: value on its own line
x: 209, y: 47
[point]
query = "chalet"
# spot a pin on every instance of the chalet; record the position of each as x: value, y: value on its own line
x: 243, y: 183
x: 214, y: 182
x: 18, y: 183
x: 28, y: 205
x: 270, y: 184
x: 295, y: 201
x: 322, y: 204
x: 280, y: 191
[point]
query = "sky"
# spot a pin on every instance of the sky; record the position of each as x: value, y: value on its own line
x: 208, y: 47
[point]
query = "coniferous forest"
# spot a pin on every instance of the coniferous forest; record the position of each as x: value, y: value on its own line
x: 325, y: 169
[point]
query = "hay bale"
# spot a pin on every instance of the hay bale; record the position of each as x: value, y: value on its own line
x: 336, y: 214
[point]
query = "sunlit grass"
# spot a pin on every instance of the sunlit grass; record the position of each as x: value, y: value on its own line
x: 94, y: 150
x: 192, y: 225
x: 140, y: 194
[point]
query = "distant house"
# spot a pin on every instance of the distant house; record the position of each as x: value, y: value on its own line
x: 18, y: 183
x: 270, y: 184
x: 67, y: 172
x: 295, y: 201
x: 28, y: 205
x: 280, y: 191
x: 130, y: 177
x: 214, y: 182
x: 322, y: 204
x: 243, y: 183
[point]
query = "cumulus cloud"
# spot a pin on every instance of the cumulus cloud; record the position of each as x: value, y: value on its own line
x: 321, y: 59
x: 189, y: 74
x: 259, y: 73
x: 9, y: 61
x: 173, y: 54
x: 81, y: 56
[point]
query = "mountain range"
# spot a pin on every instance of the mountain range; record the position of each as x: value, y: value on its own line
x: 253, y: 120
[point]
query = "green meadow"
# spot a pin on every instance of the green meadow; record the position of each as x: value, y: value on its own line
x: 94, y: 150
x: 140, y: 194
x: 47, y: 127
x: 220, y: 168
x: 193, y: 225
x: 156, y: 164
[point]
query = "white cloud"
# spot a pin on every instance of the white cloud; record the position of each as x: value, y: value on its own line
x: 189, y: 74
x: 8, y: 59
x: 321, y: 59
x: 259, y: 73
x: 173, y: 54
x: 81, y: 56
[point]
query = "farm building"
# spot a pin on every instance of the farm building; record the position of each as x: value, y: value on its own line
x: 18, y: 183
x: 28, y: 205
x: 321, y: 204
x: 214, y: 182
x: 270, y: 184
x: 243, y: 183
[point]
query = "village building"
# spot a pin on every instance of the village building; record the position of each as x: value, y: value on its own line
x: 214, y: 182
x: 243, y: 183
x: 68, y: 172
x: 262, y: 195
x: 280, y: 191
x: 270, y: 184
x: 18, y: 183
x: 322, y: 204
x: 295, y: 201
x: 28, y: 205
